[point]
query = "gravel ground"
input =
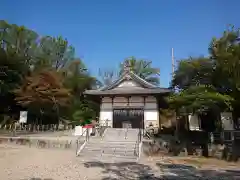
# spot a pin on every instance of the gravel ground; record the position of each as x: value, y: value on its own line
x: 23, y: 163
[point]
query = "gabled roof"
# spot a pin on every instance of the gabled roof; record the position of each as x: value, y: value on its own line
x: 128, y: 76
x: 112, y: 89
x: 133, y: 91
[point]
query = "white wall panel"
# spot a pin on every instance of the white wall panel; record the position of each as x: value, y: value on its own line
x: 106, y: 117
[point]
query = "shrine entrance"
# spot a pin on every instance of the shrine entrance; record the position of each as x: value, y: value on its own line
x: 128, y: 118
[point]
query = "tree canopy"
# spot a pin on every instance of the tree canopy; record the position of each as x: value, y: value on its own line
x: 143, y: 69
x: 43, y: 89
x: 204, y: 83
x: 42, y: 74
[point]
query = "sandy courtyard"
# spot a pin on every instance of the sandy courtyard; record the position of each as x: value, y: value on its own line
x: 24, y: 163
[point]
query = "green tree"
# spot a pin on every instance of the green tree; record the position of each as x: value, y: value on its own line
x: 17, y: 45
x: 143, y: 69
x: 193, y: 72
x: 197, y: 84
x: 18, y: 40
x: 220, y: 71
x: 78, y: 80
x: 225, y: 52
x: 107, y: 77
x: 54, y: 52
x: 43, y: 92
x: 199, y: 99
x: 26, y: 58
x: 12, y: 71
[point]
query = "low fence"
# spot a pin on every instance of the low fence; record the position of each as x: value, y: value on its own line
x: 18, y: 129
x: 230, y: 142
x: 225, y: 136
x: 21, y: 129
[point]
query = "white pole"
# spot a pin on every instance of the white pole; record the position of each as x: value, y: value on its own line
x: 173, y: 63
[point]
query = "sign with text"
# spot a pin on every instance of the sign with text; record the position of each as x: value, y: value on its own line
x: 227, y: 121
x: 23, y: 117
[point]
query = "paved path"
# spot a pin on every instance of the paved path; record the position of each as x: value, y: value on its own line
x: 23, y: 163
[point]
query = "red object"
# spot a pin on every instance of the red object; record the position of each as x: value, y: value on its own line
x: 88, y: 126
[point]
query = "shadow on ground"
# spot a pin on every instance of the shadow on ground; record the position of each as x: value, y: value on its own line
x: 129, y: 171
x: 40, y: 179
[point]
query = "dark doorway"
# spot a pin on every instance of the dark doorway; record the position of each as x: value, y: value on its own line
x: 131, y: 118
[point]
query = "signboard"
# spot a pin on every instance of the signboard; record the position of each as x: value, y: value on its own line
x: 23, y: 117
x: 78, y: 131
x: 194, y: 124
x: 227, y: 121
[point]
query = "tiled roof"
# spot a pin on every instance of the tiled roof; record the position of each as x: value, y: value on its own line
x: 146, y: 87
x: 129, y: 91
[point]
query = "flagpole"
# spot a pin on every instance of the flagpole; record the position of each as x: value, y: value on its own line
x: 173, y: 63
x: 173, y: 71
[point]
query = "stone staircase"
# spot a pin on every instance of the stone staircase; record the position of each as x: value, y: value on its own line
x: 117, y: 145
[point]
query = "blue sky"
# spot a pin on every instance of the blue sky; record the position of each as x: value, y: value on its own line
x: 104, y: 32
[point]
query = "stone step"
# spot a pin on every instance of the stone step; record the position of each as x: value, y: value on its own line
x: 108, y: 156
x: 111, y: 146
x: 109, y: 149
x: 124, y: 153
x: 115, y: 141
x: 91, y: 150
x: 113, y: 134
x: 116, y: 145
x: 109, y: 160
x: 120, y: 139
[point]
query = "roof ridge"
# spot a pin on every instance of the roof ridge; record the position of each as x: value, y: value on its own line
x: 123, y: 77
x: 143, y: 80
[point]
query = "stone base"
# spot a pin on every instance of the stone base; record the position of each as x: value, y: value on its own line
x: 216, y: 151
x: 41, y: 142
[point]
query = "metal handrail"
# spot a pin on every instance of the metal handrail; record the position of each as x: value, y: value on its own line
x: 148, y: 133
x: 137, y: 145
x: 102, y: 125
x: 86, y: 139
x: 88, y: 136
x: 126, y: 133
x: 105, y: 123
